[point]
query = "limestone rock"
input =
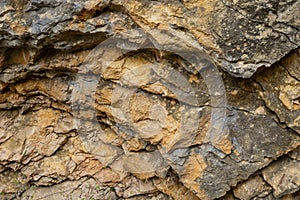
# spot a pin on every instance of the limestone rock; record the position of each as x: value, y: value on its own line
x: 253, y: 187
x: 174, y: 188
x: 146, y: 165
x: 27, y: 138
x: 83, y: 188
x: 137, y: 187
x: 295, y: 154
x: 12, y: 182
x: 282, y: 94
x: 121, y: 99
x: 233, y: 34
x: 283, y: 176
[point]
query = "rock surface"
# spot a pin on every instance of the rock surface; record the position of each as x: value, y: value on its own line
x: 120, y: 99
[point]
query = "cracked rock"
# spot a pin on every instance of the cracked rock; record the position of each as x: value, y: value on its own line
x: 121, y: 99
x: 283, y: 176
x: 253, y: 187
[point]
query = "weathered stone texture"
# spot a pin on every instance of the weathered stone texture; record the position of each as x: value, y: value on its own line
x: 102, y: 99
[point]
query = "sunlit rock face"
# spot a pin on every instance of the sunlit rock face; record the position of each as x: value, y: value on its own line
x: 121, y: 99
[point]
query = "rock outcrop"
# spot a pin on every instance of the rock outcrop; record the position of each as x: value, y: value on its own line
x: 121, y: 99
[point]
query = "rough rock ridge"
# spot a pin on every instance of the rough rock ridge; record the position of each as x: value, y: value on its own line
x: 121, y: 99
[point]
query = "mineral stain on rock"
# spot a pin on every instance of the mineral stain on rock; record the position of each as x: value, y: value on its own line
x: 150, y: 128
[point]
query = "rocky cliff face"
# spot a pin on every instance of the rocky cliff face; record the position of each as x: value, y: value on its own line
x: 121, y: 99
